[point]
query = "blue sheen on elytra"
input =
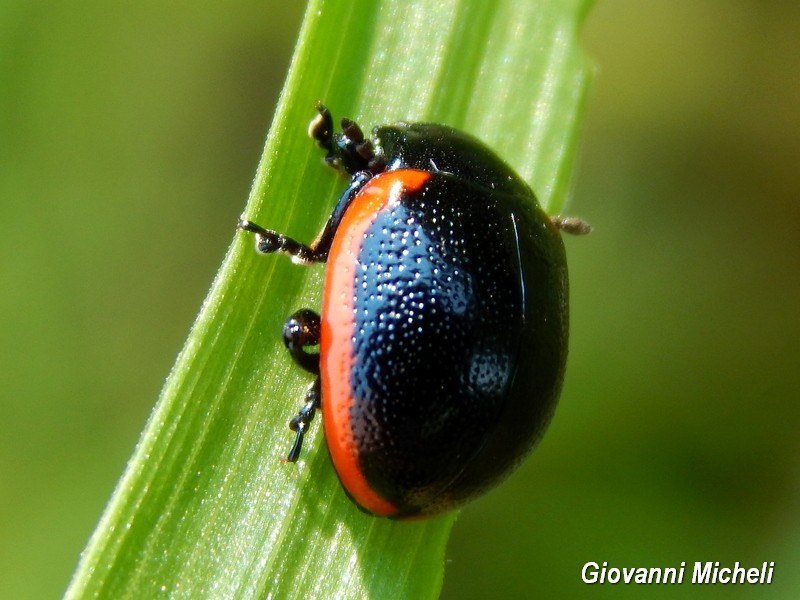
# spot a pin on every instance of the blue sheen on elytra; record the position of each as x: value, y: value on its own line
x: 433, y: 343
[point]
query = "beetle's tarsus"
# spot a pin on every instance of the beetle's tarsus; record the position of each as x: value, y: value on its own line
x: 571, y: 225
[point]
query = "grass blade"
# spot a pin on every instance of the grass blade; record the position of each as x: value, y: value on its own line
x: 205, y: 508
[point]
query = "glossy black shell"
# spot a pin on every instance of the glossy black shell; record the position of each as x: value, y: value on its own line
x: 460, y: 337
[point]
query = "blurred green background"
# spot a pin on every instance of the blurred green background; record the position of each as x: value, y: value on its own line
x: 129, y: 135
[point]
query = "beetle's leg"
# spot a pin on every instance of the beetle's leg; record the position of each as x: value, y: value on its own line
x: 320, y: 129
x: 300, y: 423
x: 301, y: 330
x: 573, y: 225
x: 349, y: 151
x: 269, y: 241
x: 322, y: 244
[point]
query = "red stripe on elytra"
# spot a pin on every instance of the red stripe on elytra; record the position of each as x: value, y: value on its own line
x: 336, y: 351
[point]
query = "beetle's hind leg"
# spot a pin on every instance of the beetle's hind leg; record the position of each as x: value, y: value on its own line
x: 301, y: 330
x: 300, y: 423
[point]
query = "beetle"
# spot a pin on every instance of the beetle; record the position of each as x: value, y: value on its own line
x: 444, y: 323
